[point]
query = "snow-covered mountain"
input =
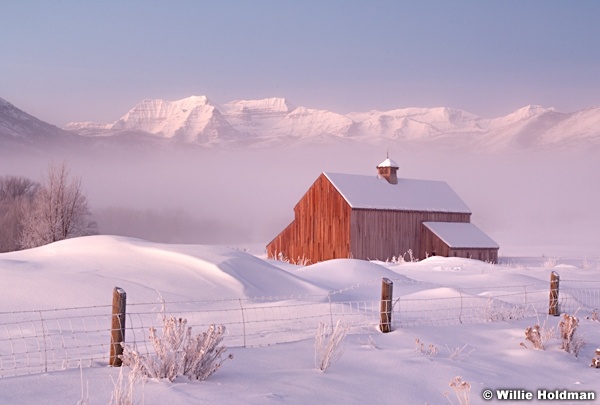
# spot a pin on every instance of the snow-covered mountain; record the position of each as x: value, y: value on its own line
x: 252, y: 116
x: 192, y: 120
x: 21, y: 130
x: 197, y: 120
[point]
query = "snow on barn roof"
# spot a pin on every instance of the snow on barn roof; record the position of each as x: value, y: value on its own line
x: 388, y: 163
x: 371, y: 192
x: 461, y: 235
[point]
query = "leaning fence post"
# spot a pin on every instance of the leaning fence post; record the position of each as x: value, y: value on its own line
x: 385, y: 311
x: 553, y: 306
x: 117, y: 329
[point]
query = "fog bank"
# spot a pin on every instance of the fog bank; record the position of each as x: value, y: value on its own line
x: 536, y: 204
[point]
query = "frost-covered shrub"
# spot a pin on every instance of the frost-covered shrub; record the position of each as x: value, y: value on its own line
x: 123, y: 392
x: 550, y: 262
x: 458, y: 352
x: 462, y: 389
x: 535, y: 337
x: 178, y: 353
x: 396, y: 259
x: 369, y: 343
x: 328, y: 346
x: 411, y: 257
x: 202, y: 356
x: 596, y: 359
x: 430, y: 351
x: 538, y: 336
x: 85, y: 393
x: 502, y: 311
x: 571, y: 341
x: 595, y: 317
x: 585, y: 265
x: 300, y: 260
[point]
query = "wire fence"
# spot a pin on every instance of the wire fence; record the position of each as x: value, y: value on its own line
x: 45, y: 340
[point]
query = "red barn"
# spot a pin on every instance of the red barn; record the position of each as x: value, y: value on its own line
x: 380, y: 217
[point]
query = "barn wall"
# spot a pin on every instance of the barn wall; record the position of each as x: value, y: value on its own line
x: 321, y: 227
x: 382, y: 234
x: 431, y: 244
x: 484, y: 254
x: 280, y: 245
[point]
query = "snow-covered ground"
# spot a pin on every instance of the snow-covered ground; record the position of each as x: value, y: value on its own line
x: 485, y: 350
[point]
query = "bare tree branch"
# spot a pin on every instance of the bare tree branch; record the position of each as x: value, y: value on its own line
x: 59, y: 211
x: 16, y: 197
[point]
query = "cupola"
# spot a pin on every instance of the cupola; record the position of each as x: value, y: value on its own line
x: 388, y: 170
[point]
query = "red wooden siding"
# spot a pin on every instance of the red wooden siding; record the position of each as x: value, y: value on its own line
x: 383, y: 234
x: 320, y: 230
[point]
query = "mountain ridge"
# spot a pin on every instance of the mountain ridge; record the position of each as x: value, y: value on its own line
x: 19, y: 129
x: 270, y: 121
x: 276, y: 119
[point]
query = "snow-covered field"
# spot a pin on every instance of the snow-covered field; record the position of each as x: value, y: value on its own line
x: 485, y: 350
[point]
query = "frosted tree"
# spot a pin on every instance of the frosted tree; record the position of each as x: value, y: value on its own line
x: 14, y: 187
x: 59, y: 210
x: 16, y: 197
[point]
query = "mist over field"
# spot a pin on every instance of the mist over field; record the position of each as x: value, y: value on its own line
x: 234, y: 195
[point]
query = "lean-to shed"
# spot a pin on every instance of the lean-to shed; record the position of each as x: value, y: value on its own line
x: 462, y: 239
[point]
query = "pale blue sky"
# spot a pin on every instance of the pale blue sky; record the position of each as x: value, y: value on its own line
x: 92, y: 61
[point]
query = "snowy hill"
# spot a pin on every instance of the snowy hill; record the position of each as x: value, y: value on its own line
x: 274, y: 120
x: 202, y: 272
x: 55, y: 296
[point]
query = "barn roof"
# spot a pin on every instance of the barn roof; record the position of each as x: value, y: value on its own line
x: 371, y: 192
x: 461, y: 235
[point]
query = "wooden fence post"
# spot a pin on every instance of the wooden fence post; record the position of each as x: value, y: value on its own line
x: 385, y: 312
x: 553, y: 305
x: 117, y: 329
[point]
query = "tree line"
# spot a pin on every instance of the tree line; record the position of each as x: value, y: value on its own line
x: 34, y: 214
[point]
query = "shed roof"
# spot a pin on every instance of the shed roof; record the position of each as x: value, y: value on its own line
x: 461, y: 235
x: 371, y: 192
